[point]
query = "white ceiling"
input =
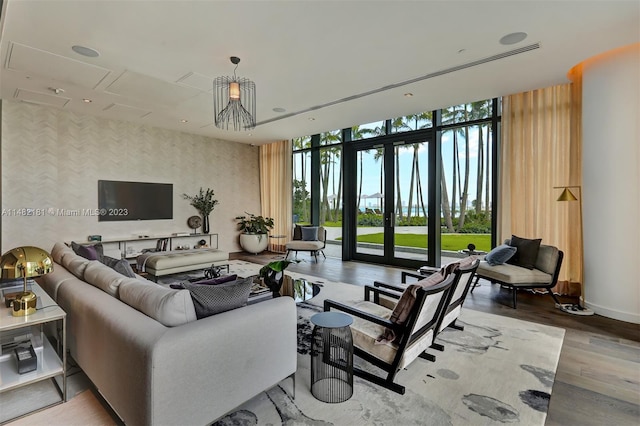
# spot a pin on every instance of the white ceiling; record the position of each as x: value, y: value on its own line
x: 158, y: 58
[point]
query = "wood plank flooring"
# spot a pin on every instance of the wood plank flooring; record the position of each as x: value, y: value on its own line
x: 598, y: 376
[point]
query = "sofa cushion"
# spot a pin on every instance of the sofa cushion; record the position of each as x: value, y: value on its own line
x: 304, y: 245
x: 119, y: 265
x: 103, y: 277
x: 58, y: 250
x: 74, y: 263
x: 297, y: 232
x: 309, y: 233
x: 212, y: 299
x: 500, y: 254
x: 169, y: 307
x: 526, y: 253
x: 512, y: 274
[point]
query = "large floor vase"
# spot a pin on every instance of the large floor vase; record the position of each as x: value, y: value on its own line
x: 254, y: 243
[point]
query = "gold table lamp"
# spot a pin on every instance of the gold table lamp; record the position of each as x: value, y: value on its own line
x: 25, y: 262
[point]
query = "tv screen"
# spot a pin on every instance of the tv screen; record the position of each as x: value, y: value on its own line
x: 118, y: 200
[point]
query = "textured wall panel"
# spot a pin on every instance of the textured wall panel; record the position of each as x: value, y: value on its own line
x: 54, y: 159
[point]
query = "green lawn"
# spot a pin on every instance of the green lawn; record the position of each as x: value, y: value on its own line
x: 449, y: 242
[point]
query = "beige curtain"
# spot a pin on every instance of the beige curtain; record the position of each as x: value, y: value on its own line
x: 276, y: 191
x: 541, y: 149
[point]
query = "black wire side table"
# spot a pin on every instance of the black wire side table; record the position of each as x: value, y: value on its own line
x: 331, y: 357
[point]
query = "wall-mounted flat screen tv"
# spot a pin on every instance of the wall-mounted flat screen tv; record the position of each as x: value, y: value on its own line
x: 119, y: 200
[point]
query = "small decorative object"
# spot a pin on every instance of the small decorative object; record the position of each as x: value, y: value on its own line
x: 254, y: 232
x: 194, y: 222
x: 273, y: 273
x: 471, y: 247
x: 204, y: 203
x: 234, y: 101
x: 26, y: 358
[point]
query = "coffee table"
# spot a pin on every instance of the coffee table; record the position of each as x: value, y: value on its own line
x: 299, y: 288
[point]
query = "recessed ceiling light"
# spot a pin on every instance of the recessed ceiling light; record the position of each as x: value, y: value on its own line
x: 278, y: 109
x: 513, y: 38
x: 311, y: 119
x: 184, y: 121
x: 408, y: 95
x: 462, y: 50
x: 86, y: 101
x: 85, y: 51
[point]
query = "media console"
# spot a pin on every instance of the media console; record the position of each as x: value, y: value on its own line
x: 131, y: 247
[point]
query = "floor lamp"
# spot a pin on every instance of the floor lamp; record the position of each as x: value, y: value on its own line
x: 579, y: 308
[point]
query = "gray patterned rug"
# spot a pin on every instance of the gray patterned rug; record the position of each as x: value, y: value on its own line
x: 498, y: 370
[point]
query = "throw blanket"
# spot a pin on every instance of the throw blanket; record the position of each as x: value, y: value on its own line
x: 408, y: 298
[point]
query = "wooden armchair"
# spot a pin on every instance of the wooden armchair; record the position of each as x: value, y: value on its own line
x: 459, y: 293
x: 391, y: 340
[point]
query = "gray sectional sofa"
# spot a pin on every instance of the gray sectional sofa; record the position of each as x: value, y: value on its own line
x: 152, y: 361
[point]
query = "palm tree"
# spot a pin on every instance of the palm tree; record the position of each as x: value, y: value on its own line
x: 299, y: 144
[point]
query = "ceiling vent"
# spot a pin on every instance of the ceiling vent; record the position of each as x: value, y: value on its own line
x: 471, y: 64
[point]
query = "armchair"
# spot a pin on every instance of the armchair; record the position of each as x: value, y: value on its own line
x: 392, y: 339
x: 313, y: 246
x: 544, y: 274
x: 459, y: 293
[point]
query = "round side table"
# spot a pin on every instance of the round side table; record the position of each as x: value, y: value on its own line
x: 331, y: 357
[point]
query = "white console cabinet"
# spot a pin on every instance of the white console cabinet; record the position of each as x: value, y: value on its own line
x: 131, y: 247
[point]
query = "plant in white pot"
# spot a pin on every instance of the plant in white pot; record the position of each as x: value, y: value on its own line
x: 255, y: 232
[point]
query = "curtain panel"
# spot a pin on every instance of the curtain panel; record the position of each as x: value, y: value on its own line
x: 276, y: 191
x: 540, y: 150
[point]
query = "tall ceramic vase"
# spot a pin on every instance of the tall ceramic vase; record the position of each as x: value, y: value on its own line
x: 205, y: 224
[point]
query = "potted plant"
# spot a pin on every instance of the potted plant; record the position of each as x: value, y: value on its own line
x: 204, y: 203
x: 255, y: 230
x: 272, y: 275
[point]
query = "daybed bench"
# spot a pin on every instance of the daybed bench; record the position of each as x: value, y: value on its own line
x: 148, y: 356
x: 544, y: 273
x: 161, y: 263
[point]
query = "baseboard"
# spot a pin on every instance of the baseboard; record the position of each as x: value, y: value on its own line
x: 614, y: 314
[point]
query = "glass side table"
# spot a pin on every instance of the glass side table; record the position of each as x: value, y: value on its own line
x: 331, y: 357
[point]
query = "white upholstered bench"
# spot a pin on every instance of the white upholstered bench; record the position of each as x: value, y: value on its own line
x: 162, y: 263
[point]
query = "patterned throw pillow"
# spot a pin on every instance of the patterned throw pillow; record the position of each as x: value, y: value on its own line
x: 213, y: 299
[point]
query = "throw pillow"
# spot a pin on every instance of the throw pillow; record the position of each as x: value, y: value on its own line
x: 500, y: 254
x: 526, y: 253
x: 88, y: 251
x: 213, y: 299
x: 119, y: 265
x: 219, y: 280
x: 297, y: 232
x: 309, y: 233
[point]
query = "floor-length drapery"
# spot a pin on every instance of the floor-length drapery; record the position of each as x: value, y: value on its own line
x: 276, y: 189
x: 540, y: 150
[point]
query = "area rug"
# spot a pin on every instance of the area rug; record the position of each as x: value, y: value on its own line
x: 498, y: 370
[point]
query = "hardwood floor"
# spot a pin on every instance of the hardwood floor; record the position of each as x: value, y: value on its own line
x: 598, y: 376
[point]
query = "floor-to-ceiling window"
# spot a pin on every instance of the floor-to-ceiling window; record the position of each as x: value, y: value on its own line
x: 408, y: 190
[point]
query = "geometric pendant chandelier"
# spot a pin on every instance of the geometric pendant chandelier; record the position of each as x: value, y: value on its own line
x: 234, y: 101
